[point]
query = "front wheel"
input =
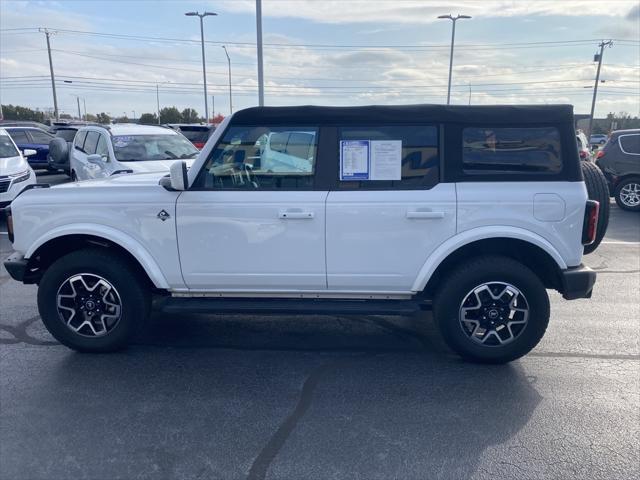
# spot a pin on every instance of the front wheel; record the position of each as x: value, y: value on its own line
x: 627, y: 194
x: 91, y: 301
x: 492, y: 310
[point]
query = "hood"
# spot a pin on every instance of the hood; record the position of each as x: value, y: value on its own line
x: 153, y: 165
x: 11, y: 165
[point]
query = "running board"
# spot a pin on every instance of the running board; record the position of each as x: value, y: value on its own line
x: 294, y: 306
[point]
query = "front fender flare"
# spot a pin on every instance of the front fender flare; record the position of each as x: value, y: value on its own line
x: 131, y: 245
x: 481, y: 233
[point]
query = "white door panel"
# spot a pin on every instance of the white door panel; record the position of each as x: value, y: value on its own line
x: 252, y: 240
x: 379, y: 240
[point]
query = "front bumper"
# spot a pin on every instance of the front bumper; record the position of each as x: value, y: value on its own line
x: 16, y: 265
x: 577, y: 282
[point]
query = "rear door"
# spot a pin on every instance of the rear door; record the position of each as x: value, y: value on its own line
x: 243, y: 227
x: 386, y: 217
x: 40, y: 143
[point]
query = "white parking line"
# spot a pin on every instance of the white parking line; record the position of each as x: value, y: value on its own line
x: 616, y: 242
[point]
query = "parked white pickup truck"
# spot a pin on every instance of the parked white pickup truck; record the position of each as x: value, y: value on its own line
x: 472, y: 212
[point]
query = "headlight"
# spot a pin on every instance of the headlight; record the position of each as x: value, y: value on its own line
x: 20, y: 177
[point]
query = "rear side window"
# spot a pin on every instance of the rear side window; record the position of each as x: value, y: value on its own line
x: 630, y: 144
x: 489, y: 150
x: 91, y: 142
x: 79, y: 140
x: 40, y: 137
x: 416, y: 151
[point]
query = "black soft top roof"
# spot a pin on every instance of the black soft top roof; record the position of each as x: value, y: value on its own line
x: 405, y: 114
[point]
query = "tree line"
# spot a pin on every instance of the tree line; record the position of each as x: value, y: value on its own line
x: 167, y: 115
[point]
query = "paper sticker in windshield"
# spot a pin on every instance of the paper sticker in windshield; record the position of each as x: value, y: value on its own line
x: 122, y: 141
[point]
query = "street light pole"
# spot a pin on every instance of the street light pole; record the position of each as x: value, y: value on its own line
x: 204, y: 69
x: 56, y: 114
x: 259, y: 44
x: 595, y: 88
x: 453, y: 36
x: 230, y: 94
x: 158, y: 102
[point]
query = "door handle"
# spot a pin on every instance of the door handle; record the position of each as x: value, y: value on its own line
x: 295, y: 215
x: 427, y: 214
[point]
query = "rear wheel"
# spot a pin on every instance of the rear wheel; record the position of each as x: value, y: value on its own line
x: 492, y: 310
x: 92, y: 301
x: 598, y: 190
x: 627, y: 194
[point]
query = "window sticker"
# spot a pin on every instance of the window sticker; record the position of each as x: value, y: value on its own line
x: 122, y: 141
x: 354, y: 160
x: 386, y: 159
x: 370, y: 160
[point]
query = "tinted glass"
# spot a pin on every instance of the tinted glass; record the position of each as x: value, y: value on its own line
x: 262, y: 158
x: 19, y: 136
x: 630, y: 143
x: 6, y: 147
x: 101, y: 148
x: 511, y: 150
x: 40, y: 137
x: 79, y: 140
x: 144, y: 148
x: 419, y: 155
x: 66, y: 134
x: 91, y: 142
x: 200, y: 135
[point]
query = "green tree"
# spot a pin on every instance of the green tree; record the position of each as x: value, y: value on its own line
x: 91, y: 118
x: 16, y: 112
x: 103, y: 118
x: 170, y: 115
x: 66, y: 116
x: 148, y: 119
x: 189, y: 115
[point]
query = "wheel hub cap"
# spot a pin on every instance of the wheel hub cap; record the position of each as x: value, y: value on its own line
x: 630, y: 194
x: 494, y: 314
x: 88, y: 305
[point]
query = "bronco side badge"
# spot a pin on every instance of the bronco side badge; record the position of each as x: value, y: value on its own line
x: 163, y: 215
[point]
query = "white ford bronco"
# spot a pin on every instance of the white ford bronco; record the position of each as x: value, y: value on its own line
x: 471, y: 212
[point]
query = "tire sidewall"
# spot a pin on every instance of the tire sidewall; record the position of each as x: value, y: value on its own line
x: 115, y: 272
x: 448, y: 309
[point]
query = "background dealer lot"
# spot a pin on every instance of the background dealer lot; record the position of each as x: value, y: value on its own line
x: 285, y: 397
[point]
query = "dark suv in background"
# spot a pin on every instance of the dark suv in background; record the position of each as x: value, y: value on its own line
x: 198, y: 134
x: 619, y: 160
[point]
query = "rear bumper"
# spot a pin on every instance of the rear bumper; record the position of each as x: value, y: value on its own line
x: 577, y: 282
x: 16, y: 265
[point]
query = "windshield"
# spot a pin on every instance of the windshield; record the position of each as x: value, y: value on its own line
x: 195, y: 134
x: 7, y: 149
x: 143, y: 148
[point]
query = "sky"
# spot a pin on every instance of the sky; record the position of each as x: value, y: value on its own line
x: 116, y: 55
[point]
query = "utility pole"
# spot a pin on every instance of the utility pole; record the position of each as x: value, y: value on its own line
x: 597, y: 57
x: 79, y: 114
x: 230, y: 94
x: 213, y: 107
x: 469, y: 93
x: 259, y: 43
x: 204, y: 69
x: 158, y: 102
x: 47, y: 33
x: 453, y: 36
x: 84, y: 106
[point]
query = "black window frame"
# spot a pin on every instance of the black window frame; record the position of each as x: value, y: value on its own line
x: 569, y: 156
x: 334, y: 182
x: 319, y: 177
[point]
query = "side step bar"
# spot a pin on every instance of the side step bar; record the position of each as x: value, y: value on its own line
x: 292, y: 306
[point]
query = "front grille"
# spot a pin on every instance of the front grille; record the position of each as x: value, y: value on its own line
x: 4, y: 185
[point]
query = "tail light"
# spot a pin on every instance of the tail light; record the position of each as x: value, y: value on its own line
x: 9, y: 217
x: 198, y: 145
x: 600, y: 154
x: 590, y: 225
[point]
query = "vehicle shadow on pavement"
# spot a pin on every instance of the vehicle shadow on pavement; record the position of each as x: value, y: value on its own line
x: 276, y: 397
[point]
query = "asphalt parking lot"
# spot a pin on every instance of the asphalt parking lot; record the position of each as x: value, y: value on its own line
x: 366, y: 397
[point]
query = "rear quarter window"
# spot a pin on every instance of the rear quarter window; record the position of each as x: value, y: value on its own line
x: 520, y: 150
x: 630, y: 143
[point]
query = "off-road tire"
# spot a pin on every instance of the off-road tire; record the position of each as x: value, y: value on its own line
x: 598, y: 190
x: 132, y: 290
x: 464, y: 279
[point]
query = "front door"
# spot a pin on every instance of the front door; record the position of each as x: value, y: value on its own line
x: 253, y: 223
x: 389, y: 211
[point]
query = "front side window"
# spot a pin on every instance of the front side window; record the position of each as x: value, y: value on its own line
x: 78, y: 143
x: 91, y: 142
x: 19, y: 136
x: 488, y: 150
x: 266, y: 158
x: 101, y: 148
x: 630, y: 144
x: 404, y: 157
x: 7, y: 149
x: 144, y: 148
